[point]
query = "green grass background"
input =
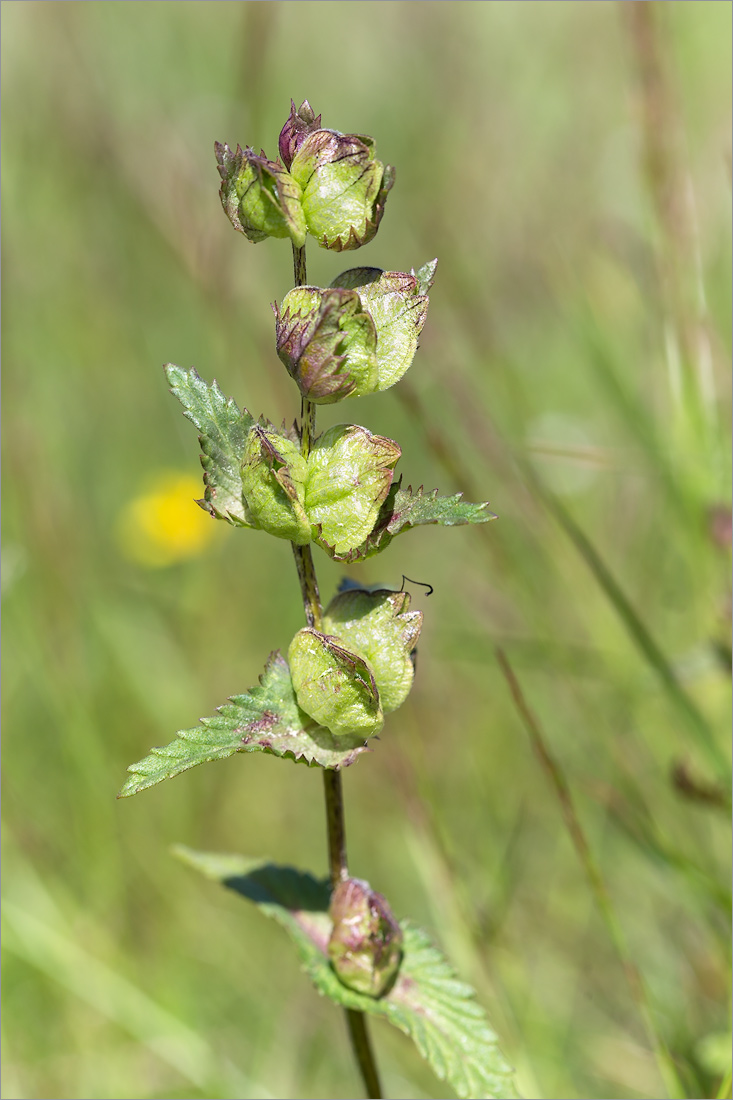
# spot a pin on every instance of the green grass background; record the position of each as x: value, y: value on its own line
x: 575, y: 357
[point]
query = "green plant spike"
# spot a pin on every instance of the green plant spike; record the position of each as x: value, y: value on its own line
x: 352, y: 664
x: 427, y: 1000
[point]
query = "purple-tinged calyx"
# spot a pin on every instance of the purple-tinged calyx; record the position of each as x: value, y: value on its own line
x: 259, y: 196
x: 327, y: 341
x: 365, y: 947
x: 344, y: 187
x: 302, y: 122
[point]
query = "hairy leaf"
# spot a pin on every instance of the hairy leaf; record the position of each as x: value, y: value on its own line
x: 427, y: 1001
x: 223, y: 431
x: 265, y: 719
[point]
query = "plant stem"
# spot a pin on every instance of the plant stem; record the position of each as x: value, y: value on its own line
x: 335, y: 823
x: 362, y: 1047
x: 308, y: 585
x: 335, y: 826
x: 300, y: 277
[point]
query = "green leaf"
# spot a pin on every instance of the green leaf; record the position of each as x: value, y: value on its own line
x: 425, y: 275
x: 223, y: 431
x: 414, y: 508
x: 405, y: 508
x: 265, y: 719
x: 426, y: 1002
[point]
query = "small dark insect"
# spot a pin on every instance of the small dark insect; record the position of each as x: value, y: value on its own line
x: 421, y: 583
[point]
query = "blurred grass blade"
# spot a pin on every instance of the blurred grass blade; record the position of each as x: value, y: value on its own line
x: 638, y: 632
x: 561, y: 787
x: 116, y: 998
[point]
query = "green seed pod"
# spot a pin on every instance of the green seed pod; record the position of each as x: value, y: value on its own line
x: 381, y: 628
x: 344, y: 187
x: 365, y: 947
x: 328, y: 343
x: 333, y: 685
x: 398, y: 305
x: 349, y: 475
x: 259, y: 196
x: 273, y: 485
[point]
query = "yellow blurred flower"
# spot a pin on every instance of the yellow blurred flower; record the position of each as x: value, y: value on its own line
x: 164, y: 524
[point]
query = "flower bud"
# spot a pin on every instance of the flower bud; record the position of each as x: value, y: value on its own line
x: 273, y: 485
x: 327, y: 342
x: 344, y: 187
x: 365, y: 947
x: 349, y: 475
x: 259, y: 196
x: 397, y: 303
x: 379, y: 627
x: 333, y: 685
x: 301, y: 123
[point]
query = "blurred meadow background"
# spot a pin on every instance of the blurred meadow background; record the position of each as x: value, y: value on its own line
x: 570, y: 165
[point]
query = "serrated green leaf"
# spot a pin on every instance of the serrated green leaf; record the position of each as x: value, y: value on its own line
x: 265, y: 719
x: 405, y: 508
x: 223, y: 429
x: 427, y: 1001
x: 414, y: 508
